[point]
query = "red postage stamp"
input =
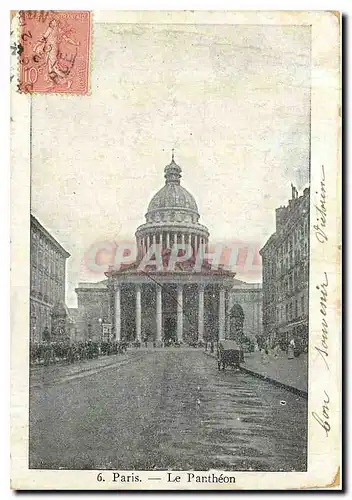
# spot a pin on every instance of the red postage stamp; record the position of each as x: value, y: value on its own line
x: 54, y: 51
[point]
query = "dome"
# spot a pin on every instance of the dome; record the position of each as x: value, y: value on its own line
x: 172, y: 195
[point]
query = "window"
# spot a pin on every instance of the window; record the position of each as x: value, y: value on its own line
x: 290, y: 283
x: 34, y: 279
x: 46, y: 286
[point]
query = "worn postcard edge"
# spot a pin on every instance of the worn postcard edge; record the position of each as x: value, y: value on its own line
x: 324, y: 449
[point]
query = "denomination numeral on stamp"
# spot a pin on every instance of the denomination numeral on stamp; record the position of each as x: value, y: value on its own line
x: 31, y: 75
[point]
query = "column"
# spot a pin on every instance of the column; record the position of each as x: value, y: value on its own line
x: 154, y: 239
x: 158, y: 314
x: 203, y: 246
x: 110, y: 302
x: 228, y: 325
x: 175, y: 238
x: 138, y: 314
x: 117, y: 313
x: 180, y: 313
x: 201, y: 313
x: 183, y: 238
x: 167, y: 240
x: 222, y: 314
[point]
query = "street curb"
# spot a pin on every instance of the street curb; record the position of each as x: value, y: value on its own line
x: 273, y: 381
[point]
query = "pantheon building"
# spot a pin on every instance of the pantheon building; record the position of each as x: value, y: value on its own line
x: 188, y: 301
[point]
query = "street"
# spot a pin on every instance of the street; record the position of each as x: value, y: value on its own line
x: 165, y: 409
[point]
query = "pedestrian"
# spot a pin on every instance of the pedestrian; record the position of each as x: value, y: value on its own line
x: 291, y: 349
x: 263, y: 355
x: 276, y: 351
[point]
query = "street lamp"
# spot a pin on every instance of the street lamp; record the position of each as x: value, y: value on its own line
x: 101, y: 328
x: 89, y: 331
x: 33, y: 327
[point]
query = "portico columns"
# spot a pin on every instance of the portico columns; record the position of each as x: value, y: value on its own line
x: 138, y: 314
x: 201, y: 313
x: 222, y: 314
x: 117, y: 313
x: 158, y: 314
x: 179, y: 313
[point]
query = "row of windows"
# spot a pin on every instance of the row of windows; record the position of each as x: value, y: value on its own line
x: 40, y: 318
x: 292, y: 258
x: 296, y: 279
x: 43, y: 241
x: 54, y: 264
x: 296, y: 308
x: 49, y: 289
x: 295, y: 238
x: 275, y: 268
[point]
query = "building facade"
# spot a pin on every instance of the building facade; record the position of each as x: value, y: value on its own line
x: 47, y: 284
x: 285, y: 263
x: 157, y: 302
x: 245, y: 309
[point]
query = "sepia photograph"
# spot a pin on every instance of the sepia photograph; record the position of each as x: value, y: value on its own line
x: 171, y: 226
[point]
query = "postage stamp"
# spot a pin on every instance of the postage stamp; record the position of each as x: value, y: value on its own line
x: 176, y: 243
x: 54, y: 51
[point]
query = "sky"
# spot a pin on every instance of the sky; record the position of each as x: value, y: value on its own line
x: 232, y: 100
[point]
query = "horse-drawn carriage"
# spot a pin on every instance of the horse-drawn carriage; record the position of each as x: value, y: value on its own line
x: 229, y: 353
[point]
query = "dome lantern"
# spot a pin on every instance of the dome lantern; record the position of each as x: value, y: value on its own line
x: 172, y: 171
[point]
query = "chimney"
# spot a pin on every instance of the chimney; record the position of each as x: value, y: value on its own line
x: 292, y: 191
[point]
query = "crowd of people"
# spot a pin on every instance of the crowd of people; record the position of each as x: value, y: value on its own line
x: 47, y: 352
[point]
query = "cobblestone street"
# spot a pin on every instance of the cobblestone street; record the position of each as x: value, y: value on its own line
x: 163, y: 409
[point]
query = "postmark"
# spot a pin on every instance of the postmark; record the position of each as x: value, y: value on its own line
x: 54, y: 51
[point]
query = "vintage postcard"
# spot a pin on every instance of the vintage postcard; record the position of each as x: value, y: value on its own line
x: 176, y: 243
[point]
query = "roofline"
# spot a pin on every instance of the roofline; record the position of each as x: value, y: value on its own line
x: 90, y: 289
x: 36, y: 222
x: 270, y: 241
